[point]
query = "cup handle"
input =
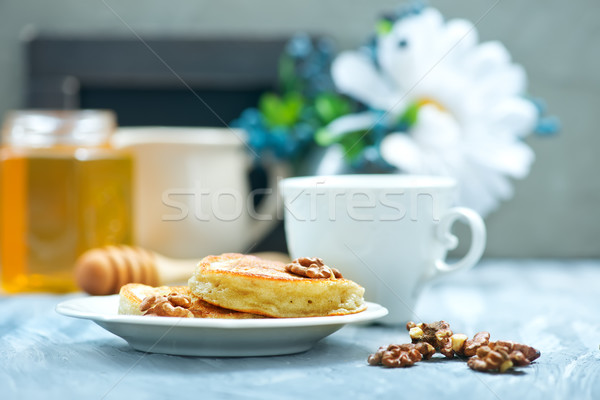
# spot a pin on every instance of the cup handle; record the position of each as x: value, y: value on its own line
x: 270, y: 205
x: 478, y: 238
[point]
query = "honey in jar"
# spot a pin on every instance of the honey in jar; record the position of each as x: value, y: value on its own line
x: 63, y: 190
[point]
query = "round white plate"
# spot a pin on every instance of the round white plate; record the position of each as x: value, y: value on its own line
x: 212, y: 337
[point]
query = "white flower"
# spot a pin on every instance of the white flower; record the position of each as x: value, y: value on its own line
x: 471, y: 116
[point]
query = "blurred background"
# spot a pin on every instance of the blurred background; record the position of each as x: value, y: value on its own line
x: 81, y: 53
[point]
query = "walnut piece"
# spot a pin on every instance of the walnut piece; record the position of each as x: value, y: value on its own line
x: 173, y: 305
x: 489, y: 359
x: 437, y: 334
x: 484, y: 355
x: 179, y: 300
x: 312, y: 268
x: 401, y: 355
x: 528, y: 352
x: 458, y: 342
x: 502, y: 355
x: 470, y: 347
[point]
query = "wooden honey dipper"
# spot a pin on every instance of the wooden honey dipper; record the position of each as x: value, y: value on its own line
x: 104, y: 270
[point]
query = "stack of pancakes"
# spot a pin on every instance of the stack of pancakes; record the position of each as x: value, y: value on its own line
x: 242, y: 286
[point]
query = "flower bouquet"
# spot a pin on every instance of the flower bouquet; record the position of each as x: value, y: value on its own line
x: 423, y: 96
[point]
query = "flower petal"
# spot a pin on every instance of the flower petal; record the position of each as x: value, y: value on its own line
x: 402, y: 152
x: 355, y: 75
x: 486, y: 59
x: 429, y: 66
x: 511, y: 158
x: 407, y: 54
x: 459, y: 38
x: 435, y: 128
x: 352, y: 123
x: 514, y: 116
x: 508, y: 80
x: 332, y: 161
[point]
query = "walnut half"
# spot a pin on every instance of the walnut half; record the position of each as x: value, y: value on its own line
x: 312, y: 268
x: 437, y: 334
x: 401, y: 355
x: 502, y: 355
x: 173, y: 305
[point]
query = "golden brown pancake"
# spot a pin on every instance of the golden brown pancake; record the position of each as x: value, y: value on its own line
x: 253, y: 285
x: 132, y: 295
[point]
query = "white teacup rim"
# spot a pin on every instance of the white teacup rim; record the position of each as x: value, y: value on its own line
x: 207, y: 136
x: 369, y: 181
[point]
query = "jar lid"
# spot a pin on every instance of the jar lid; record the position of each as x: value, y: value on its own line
x: 46, y: 128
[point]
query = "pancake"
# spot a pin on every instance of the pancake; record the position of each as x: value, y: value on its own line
x: 132, y: 295
x: 253, y: 285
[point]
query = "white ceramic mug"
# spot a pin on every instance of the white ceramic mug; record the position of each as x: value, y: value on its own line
x: 192, y: 192
x: 389, y: 233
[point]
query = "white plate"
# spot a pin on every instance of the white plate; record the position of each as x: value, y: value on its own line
x: 212, y: 337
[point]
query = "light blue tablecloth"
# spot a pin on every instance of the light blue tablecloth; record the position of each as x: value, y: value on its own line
x: 552, y: 305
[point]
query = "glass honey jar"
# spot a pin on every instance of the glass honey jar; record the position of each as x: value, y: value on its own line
x: 63, y: 190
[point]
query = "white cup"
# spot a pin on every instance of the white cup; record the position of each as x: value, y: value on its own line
x: 192, y: 192
x: 389, y: 233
